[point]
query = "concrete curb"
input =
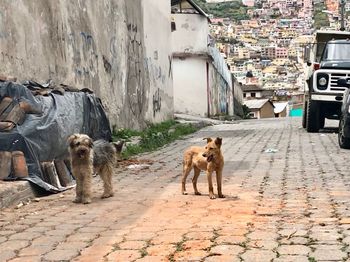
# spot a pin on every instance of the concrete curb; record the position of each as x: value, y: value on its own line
x: 202, y: 120
x: 14, y: 192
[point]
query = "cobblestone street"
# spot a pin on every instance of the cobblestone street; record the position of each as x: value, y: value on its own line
x: 287, y: 199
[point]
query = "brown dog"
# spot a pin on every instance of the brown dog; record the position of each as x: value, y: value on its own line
x: 209, y: 159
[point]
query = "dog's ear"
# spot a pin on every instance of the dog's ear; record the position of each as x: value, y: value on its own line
x: 71, y: 140
x: 208, y: 139
x: 118, y: 146
x: 90, y: 143
x: 218, y: 141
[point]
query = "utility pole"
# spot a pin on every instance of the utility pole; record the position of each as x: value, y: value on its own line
x: 342, y: 13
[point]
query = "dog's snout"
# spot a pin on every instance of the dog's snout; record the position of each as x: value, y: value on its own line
x: 204, y: 155
x: 82, y: 152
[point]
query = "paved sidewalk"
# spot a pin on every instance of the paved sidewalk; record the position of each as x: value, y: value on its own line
x: 287, y: 199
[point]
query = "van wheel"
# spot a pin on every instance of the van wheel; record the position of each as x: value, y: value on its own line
x: 312, y: 117
x: 322, y: 121
x: 344, y: 142
x: 304, y: 115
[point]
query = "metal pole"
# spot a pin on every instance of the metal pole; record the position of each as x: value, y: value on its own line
x: 342, y: 11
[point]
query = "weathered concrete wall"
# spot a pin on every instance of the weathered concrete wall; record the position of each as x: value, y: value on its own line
x: 191, y: 35
x: 220, y: 101
x: 220, y: 82
x: 237, y: 98
x: 101, y: 45
x: 237, y: 90
x: 158, y: 59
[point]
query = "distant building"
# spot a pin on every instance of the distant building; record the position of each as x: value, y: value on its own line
x: 268, y: 52
x: 280, y: 109
x: 243, y: 53
x: 260, y: 108
x: 281, y: 52
x: 249, y: 3
x: 332, y: 5
x: 253, y: 91
x: 201, y: 78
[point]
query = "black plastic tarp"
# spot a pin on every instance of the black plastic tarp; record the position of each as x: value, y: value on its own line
x: 43, y: 137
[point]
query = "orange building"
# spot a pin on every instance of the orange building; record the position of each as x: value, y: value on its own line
x: 332, y: 6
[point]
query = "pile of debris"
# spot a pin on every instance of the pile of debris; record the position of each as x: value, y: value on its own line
x: 35, y: 122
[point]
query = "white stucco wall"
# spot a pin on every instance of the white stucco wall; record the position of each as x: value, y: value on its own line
x: 193, y: 85
x: 191, y: 35
x: 190, y: 86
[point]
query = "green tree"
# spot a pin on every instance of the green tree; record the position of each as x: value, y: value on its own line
x: 234, y: 10
x: 320, y: 18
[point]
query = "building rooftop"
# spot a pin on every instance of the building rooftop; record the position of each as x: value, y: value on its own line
x: 257, y: 103
x: 279, y: 107
x: 185, y: 4
x: 251, y: 87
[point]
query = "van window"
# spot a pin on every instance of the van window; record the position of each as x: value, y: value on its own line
x: 336, y: 51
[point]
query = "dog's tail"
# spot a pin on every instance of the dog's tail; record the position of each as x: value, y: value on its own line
x: 118, y: 147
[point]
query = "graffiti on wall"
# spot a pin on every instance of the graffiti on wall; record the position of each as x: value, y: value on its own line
x: 219, y: 90
x: 159, y: 79
x: 170, y: 73
x: 155, y: 70
x: 157, y: 102
x: 223, y: 98
x: 84, y: 54
x: 135, y: 74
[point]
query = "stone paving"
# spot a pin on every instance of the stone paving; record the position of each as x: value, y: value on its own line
x: 287, y: 199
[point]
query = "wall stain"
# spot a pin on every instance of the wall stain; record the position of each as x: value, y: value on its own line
x: 107, y: 65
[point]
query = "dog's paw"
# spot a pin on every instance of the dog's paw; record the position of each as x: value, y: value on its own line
x: 198, y: 193
x: 221, y: 196
x: 212, y: 196
x: 86, y: 201
x: 77, y: 200
x: 184, y: 193
x: 107, y: 195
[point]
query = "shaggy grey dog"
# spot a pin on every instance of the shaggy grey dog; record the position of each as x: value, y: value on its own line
x: 88, y: 157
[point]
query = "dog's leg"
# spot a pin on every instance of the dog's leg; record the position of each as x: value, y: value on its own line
x: 106, y: 175
x: 210, y: 183
x: 78, y: 190
x: 219, y: 183
x: 86, y: 196
x: 186, y: 170
x: 197, y: 171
